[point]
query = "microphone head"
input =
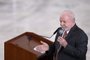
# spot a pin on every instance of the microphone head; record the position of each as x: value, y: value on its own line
x: 61, y: 31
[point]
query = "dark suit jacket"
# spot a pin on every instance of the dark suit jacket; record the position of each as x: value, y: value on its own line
x: 75, y: 50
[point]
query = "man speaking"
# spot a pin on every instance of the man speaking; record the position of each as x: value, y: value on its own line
x: 69, y: 45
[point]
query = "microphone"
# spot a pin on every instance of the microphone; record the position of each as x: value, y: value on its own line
x: 62, y: 32
x: 59, y: 30
x: 58, y: 48
x: 54, y: 33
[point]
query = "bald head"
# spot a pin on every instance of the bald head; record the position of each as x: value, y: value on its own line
x: 67, y: 19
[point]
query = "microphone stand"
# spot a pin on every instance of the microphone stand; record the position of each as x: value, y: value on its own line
x: 47, y: 36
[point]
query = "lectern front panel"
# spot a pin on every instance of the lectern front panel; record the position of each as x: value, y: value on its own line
x: 22, y: 47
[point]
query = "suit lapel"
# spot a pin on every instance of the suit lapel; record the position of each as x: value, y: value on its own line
x: 71, y: 32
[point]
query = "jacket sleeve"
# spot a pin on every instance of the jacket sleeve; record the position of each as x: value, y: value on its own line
x: 80, y: 49
x: 51, y: 49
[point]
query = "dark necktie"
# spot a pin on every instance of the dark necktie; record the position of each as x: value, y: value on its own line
x: 65, y: 34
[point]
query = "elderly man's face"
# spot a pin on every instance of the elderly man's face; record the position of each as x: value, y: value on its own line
x: 66, y: 22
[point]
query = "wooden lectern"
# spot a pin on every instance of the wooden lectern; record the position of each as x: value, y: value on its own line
x: 22, y: 47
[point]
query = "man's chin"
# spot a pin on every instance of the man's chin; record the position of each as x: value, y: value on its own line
x: 65, y: 29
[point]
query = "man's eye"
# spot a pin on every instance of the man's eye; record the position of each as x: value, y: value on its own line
x: 64, y: 22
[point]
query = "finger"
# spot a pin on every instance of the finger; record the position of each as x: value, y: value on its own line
x: 60, y: 39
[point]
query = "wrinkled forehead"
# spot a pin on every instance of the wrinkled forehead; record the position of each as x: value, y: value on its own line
x: 67, y: 13
x: 65, y: 18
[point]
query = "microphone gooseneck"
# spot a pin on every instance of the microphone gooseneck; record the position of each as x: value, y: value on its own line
x: 60, y: 30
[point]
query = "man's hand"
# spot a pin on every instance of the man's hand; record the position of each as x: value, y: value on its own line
x: 62, y: 41
x: 42, y: 48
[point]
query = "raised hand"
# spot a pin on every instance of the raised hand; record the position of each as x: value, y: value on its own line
x: 62, y: 41
x: 42, y: 48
